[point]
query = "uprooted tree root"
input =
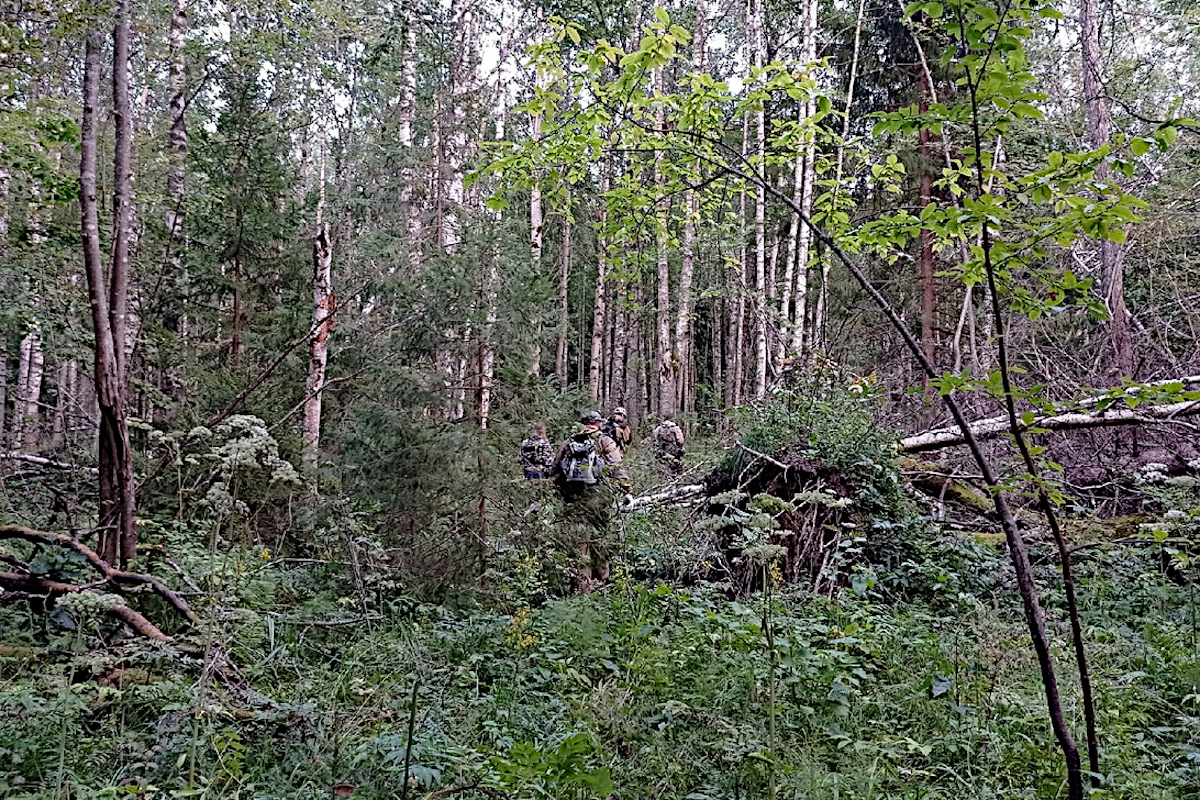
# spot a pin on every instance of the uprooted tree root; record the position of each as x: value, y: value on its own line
x: 809, y: 534
x: 25, y: 584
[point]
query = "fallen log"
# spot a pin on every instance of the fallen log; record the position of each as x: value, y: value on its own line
x: 677, y: 495
x: 992, y: 427
x: 42, y: 461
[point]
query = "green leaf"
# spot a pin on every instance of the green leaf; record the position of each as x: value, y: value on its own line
x: 1139, y: 146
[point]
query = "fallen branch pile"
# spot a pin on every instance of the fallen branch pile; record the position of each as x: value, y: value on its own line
x: 26, y: 584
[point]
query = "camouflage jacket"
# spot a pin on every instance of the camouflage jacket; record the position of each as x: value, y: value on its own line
x: 668, y: 439
x: 621, y: 434
x: 608, y: 450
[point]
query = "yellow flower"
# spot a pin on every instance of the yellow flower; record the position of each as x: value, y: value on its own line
x: 265, y: 555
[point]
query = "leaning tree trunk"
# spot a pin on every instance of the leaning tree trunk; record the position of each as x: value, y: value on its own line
x: 108, y: 290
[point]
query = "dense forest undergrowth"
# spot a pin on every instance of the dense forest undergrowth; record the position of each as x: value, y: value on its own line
x: 288, y: 283
x: 705, y: 667
x: 916, y: 683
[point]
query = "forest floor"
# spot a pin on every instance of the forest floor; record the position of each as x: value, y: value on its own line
x: 915, y: 681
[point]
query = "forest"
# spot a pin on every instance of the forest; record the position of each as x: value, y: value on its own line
x: 863, y: 336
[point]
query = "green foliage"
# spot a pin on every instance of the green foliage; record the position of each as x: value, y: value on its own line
x: 829, y: 419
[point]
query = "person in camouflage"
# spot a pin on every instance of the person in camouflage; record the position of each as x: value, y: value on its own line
x: 617, y: 428
x: 537, y: 454
x: 588, y: 473
x: 668, y: 447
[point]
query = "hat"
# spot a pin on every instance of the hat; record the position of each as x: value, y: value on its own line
x: 620, y: 410
x: 591, y: 416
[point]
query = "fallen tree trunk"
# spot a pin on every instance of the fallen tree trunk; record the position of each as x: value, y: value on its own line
x: 992, y: 427
x: 41, y: 461
x: 678, y: 495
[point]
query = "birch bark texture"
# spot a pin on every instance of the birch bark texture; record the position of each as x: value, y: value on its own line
x: 687, y: 257
x: 760, y: 210
x: 322, y: 324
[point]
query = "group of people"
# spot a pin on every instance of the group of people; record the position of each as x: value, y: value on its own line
x: 587, y: 470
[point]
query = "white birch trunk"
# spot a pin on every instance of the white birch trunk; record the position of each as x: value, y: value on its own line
x: 177, y: 174
x: 404, y: 135
x: 662, y: 355
x: 322, y: 323
x: 760, y: 215
x: 16, y: 428
x: 30, y: 406
x: 808, y: 179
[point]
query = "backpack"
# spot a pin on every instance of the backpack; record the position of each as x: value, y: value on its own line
x: 581, y: 462
x: 529, y: 453
x: 665, y: 441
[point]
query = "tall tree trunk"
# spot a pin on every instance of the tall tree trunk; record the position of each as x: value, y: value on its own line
x: 760, y: 212
x: 687, y: 256
x: 322, y: 324
x: 535, y: 246
x: 1112, y: 270
x: 738, y: 367
x: 177, y: 174
x: 817, y: 334
x: 928, y: 289
x: 599, y: 294
x: 662, y: 354
x: 789, y: 268
x: 31, y: 428
x: 108, y: 293
x: 564, y: 318
x: 5, y: 178
x: 407, y: 117
x: 808, y: 184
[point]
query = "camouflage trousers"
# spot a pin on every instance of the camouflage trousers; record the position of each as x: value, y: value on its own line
x: 587, y: 522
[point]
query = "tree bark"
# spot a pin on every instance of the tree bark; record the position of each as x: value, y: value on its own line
x: 760, y: 212
x: 1112, y: 270
x: 992, y: 427
x: 322, y: 323
x: 108, y: 293
x: 663, y: 350
x: 928, y: 289
x: 599, y: 294
x: 404, y: 135
x: 30, y: 414
x: 807, y: 194
x: 564, y: 318
x: 687, y: 256
x: 177, y: 174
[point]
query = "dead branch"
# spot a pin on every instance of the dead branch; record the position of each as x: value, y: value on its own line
x: 992, y: 427
x: 12, y: 583
x: 42, y: 461
x: 116, y: 578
